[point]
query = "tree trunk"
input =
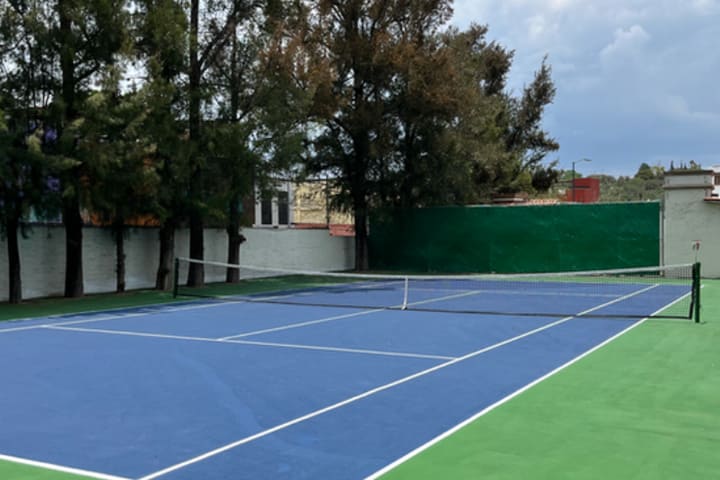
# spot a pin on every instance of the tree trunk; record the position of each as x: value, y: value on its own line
x: 167, y: 252
x: 195, y: 73
x: 197, y: 250
x: 361, y: 237
x: 71, y: 206
x: 15, y: 293
x: 73, y: 247
x: 119, y: 232
x: 235, y: 239
x: 196, y: 272
x: 67, y: 59
x: 359, y: 187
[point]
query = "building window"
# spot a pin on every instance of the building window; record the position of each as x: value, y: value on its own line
x: 717, y: 180
x: 266, y: 209
x: 283, y: 208
x: 273, y: 207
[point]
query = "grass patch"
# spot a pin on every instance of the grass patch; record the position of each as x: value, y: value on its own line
x: 17, y: 471
x: 106, y: 301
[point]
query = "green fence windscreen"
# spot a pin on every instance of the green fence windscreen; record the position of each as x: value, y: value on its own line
x: 515, y: 239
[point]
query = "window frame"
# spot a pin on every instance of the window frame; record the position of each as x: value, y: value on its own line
x: 280, y: 198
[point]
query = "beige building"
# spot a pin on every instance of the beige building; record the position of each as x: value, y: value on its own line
x: 302, y: 205
x: 311, y: 205
x: 691, y: 213
x: 716, y: 181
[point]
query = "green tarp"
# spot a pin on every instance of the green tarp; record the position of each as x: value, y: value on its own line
x: 504, y: 239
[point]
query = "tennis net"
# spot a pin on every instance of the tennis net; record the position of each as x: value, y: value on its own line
x: 663, y: 292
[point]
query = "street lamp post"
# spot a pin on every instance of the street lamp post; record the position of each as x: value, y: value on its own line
x: 572, y: 186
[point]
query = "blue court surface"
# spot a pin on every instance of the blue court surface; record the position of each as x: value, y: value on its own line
x: 243, y: 390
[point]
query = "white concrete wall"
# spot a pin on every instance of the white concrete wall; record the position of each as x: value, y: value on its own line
x: 687, y: 217
x: 716, y: 180
x: 42, y: 255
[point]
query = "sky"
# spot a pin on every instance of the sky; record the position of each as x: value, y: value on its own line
x: 638, y: 81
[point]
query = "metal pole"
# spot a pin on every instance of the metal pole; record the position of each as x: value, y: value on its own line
x: 696, y: 291
x: 573, y: 175
x: 405, y: 294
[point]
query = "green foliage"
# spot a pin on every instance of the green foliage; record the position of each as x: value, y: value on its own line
x: 161, y: 46
x: 121, y: 181
x: 692, y: 165
x: 407, y: 112
x: 645, y: 185
x: 25, y: 174
x: 161, y: 36
x: 27, y: 183
x: 446, y: 135
x: 544, y: 178
x: 255, y: 134
x: 221, y: 96
x: 57, y: 54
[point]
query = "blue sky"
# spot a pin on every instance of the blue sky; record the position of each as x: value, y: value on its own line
x: 637, y: 80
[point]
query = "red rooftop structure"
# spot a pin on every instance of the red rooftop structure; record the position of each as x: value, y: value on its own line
x: 583, y: 190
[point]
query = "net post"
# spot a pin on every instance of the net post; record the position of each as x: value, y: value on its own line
x: 696, y: 291
x: 176, y: 277
x: 405, y: 294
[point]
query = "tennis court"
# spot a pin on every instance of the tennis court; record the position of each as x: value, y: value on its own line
x: 324, y: 381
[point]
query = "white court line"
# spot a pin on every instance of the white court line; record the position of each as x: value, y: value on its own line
x: 448, y: 297
x: 674, y: 302
x: 339, y: 317
x: 159, y: 309
x: 309, y: 291
x: 60, y: 468
x: 314, y: 289
x: 506, y: 399
x: 376, y: 390
x: 342, y: 350
x: 301, y: 324
x: 128, y: 333
x: 466, y: 293
x: 520, y: 292
x: 343, y: 403
x: 495, y: 405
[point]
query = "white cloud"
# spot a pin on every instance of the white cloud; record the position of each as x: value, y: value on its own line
x: 564, y: 67
x: 539, y: 27
x: 619, y: 66
x: 627, y: 42
x: 624, y: 15
x: 706, y: 7
x: 561, y: 4
x: 678, y: 108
